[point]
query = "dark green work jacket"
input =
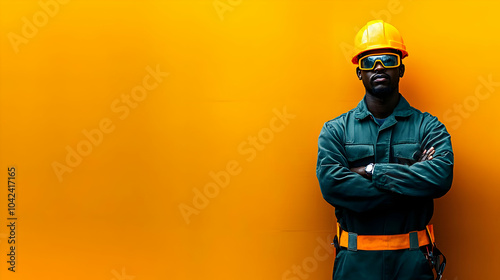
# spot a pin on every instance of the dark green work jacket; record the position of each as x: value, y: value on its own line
x: 399, y: 197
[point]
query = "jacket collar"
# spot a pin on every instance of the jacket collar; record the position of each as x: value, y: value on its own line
x: 403, y: 109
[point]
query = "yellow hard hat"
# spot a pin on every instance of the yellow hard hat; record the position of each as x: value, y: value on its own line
x: 377, y: 34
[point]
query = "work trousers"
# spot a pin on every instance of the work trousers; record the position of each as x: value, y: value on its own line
x: 382, y: 265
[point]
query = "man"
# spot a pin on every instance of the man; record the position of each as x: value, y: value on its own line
x: 381, y: 165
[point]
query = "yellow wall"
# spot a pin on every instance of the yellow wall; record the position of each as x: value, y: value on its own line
x: 118, y: 114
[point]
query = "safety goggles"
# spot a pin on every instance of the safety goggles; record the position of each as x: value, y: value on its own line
x: 388, y: 60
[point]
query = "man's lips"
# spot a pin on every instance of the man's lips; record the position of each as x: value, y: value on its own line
x: 380, y: 78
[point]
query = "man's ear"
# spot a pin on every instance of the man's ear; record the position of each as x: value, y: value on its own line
x: 401, y: 70
x: 358, y: 73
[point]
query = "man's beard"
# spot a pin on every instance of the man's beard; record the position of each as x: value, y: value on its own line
x: 381, y: 92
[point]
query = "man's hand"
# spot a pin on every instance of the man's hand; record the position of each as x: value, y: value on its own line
x: 361, y: 171
x: 427, y: 155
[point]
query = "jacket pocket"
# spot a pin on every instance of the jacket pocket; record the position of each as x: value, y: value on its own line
x: 407, y: 153
x: 359, y: 154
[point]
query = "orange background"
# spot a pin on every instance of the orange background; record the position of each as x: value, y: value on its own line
x: 231, y: 67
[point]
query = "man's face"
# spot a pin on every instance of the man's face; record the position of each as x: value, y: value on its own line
x: 380, y: 81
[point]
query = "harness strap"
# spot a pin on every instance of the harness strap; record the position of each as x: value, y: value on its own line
x: 430, y: 231
x: 412, y: 241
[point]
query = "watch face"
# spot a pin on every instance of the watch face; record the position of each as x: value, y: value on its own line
x: 369, y: 168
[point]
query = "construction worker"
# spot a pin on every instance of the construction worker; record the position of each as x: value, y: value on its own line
x: 381, y: 165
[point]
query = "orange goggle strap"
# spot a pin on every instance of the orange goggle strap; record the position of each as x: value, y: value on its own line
x: 412, y: 240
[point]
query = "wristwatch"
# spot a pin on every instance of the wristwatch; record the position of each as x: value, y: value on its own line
x: 369, y: 169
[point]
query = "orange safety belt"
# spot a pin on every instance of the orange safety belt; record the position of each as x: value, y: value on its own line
x: 412, y: 240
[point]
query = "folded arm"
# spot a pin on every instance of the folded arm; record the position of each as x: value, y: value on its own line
x: 340, y: 186
x: 430, y: 177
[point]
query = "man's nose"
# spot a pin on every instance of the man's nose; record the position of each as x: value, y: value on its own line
x: 378, y: 66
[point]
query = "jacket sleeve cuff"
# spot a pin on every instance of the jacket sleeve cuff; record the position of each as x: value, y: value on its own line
x: 380, y: 180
